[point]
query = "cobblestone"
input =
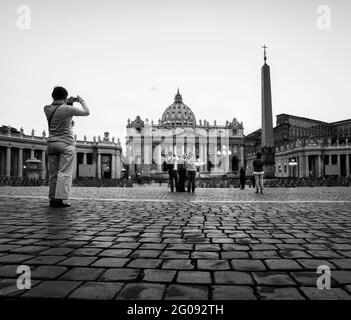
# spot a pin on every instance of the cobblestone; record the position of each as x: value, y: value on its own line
x: 147, y: 243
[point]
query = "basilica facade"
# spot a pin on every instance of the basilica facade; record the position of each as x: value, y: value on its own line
x: 219, y: 149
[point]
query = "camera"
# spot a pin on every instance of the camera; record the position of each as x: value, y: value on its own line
x: 71, y: 100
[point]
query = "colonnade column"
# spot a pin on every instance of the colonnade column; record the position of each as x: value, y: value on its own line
x: 43, y: 165
x: 320, y: 166
x: 84, y: 158
x: 20, y: 162
x: 99, y: 166
x: 347, y: 165
x: 8, y: 161
x: 307, y: 169
x: 339, y: 166
x: 113, y: 166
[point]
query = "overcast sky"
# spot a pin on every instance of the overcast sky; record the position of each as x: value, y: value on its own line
x: 127, y: 58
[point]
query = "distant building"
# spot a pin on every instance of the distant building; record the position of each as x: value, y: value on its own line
x: 99, y: 158
x: 306, y: 147
x: 219, y: 148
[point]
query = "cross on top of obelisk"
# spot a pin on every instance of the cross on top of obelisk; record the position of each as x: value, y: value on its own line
x: 264, y: 53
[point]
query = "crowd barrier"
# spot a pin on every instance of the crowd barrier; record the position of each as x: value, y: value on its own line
x: 217, y: 182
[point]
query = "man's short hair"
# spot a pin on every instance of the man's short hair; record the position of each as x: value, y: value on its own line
x: 258, y: 155
x: 59, y: 93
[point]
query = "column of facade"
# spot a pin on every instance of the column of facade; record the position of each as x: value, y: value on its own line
x: 99, y: 166
x: 300, y: 165
x: 8, y: 161
x: 118, y: 165
x: 242, y: 157
x: 84, y: 158
x: 339, y: 166
x: 347, y: 165
x: 113, y: 166
x: 20, y: 162
x: 320, y: 166
x: 330, y: 160
x: 307, y: 169
x: 43, y: 164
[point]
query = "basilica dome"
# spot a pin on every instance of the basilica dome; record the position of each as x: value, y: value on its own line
x: 178, y: 113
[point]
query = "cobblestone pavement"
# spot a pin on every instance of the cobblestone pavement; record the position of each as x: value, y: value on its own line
x: 148, y: 243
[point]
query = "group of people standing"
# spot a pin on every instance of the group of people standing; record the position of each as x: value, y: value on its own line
x: 179, y: 170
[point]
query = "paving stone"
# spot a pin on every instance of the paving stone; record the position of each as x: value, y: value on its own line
x: 47, y: 272
x: 235, y: 247
x: 304, y: 278
x: 272, y: 278
x: 118, y: 253
x: 180, y: 246
x: 233, y: 293
x: 145, y: 253
x: 8, y: 288
x: 207, y: 247
x: 97, y: 291
x: 121, y: 274
x: 178, y: 264
x: 196, y: 277
x: 313, y: 264
x: 270, y: 293
x: 110, y: 262
x: 123, y: 245
x: 57, y: 251
x: 52, y: 289
x: 156, y: 275
x: 204, y: 255
x: 234, y: 255
x: 326, y: 254
x: 314, y: 293
x: 30, y: 249
x: 186, y: 292
x: 156, y: 246
x: 86, y: 252
x: 233, y: 278
x: 341, y: 277
x: 8, y: 271
x: 14, y: 258
x: 45, y: 260
x: 145, y: 263
x: 141, y: 291
x: 282, y: 264
x: 78, y: 261
x: 213, y: 264
x: 344, y: 264
x: 247, y: 265
x: 269, y: 254
x: 82, y: 274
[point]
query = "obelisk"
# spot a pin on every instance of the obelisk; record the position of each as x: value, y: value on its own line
x: 267, y: 138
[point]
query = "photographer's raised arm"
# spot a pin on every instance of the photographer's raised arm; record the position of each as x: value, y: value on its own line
x: 80, y: 112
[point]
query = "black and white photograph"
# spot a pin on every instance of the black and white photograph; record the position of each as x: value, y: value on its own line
x: 174, y: 158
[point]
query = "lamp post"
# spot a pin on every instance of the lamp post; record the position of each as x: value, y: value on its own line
x: 224, y: 154
x: 292, y: 165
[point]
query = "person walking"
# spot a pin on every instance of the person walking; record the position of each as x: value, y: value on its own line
x: 191, y: 169
x: 61, y: 144
x: 181, y: 174
x: 172, y: 171
x: 258, y: 172
x: 242, y: 178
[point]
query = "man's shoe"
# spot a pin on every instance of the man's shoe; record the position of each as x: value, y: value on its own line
x: 58, y: 203
x: 256, y: 191
x: 261, y: 191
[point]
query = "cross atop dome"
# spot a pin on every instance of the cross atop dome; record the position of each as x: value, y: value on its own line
x: 178, y: 97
